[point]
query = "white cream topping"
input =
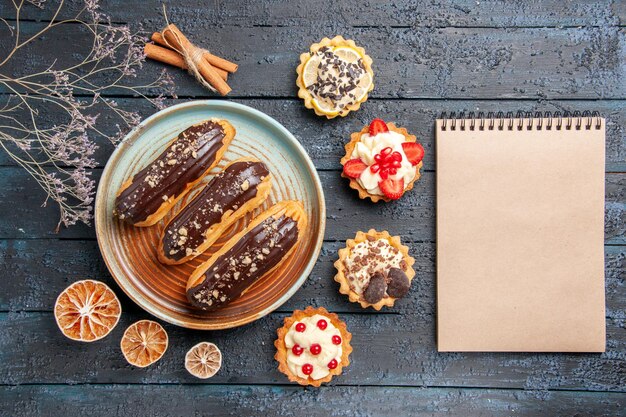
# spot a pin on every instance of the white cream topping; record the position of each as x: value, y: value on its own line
x: 368, y: 146
x: 369, y: 257
x: 311, y: 335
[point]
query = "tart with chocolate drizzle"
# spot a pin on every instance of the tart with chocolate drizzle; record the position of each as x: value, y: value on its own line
x: 313, y: 346
x: 335, y: 77
x: 239, y: 188
x: 147, y: 196
x: 374, y: 269
x: 260, y: 248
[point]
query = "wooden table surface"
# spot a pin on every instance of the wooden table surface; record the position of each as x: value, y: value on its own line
x: 429, y: 57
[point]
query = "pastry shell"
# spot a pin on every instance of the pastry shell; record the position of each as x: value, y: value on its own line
x: 354, y: 184
x: 228, y: 218
x: 288, y: 208
x: 342, y: 279
x: 303, y: 93
x: 281, y: 348
x: 167, y: 205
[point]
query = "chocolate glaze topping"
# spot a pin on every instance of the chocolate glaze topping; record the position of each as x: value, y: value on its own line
x: 183, y: 162
x: 228, y: 190
x: 253, y: 255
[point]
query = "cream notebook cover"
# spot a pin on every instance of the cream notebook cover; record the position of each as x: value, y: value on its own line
x: 520, y: 234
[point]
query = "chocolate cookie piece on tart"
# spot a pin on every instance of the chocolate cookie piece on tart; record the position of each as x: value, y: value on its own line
x: 257, y: 250
x: 242, y: 186
x: 145, y: 198
x: 374, y: 269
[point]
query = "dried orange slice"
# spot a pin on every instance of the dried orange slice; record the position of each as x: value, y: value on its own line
x: 87, y: 310
x: 144, y: 343
x: 203, y: 360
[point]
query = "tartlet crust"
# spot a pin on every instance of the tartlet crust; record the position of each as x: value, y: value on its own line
x: 342, y: 279
x: 304, y: 94
x: 166, y: 206
x: 354, y: 184
x: 281, y: 348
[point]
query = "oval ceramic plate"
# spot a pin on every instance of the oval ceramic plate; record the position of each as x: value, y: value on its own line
x: 130, y: 252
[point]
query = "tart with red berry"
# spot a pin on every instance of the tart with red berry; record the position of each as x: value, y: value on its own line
x: 313, y: 346
x: 374, y: 269
x: 382, y: 161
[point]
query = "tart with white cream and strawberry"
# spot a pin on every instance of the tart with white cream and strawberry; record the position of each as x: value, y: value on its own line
x: 313, y: 346
x: 374, y: 269
x: 334, y: 77
x: 382, y: 161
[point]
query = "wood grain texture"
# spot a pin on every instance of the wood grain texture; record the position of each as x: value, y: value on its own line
x: 412, y: 217
x: 430, y: 56
x: 538, y: 63
x: 249, y: 401
x: 389, y: 349
x: 397, y: 13
x: 325, y: 141
x: 38, y: 277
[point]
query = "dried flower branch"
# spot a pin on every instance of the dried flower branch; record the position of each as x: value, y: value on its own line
x: 58, y: 157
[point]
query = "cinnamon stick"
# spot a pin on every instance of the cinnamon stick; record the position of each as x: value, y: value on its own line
x: 214, y: 60
x: 171, y: 57
x: 179, y: 41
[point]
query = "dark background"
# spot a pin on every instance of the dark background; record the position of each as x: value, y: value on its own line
x: 429, y: 57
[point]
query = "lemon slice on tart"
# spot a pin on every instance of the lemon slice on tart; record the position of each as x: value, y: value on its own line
x: 310, y: 77
x: 363, y: 87
x: 351, y: 55
x: 347, y: 53
x: 335, y: 77
x: 309, y: 72
x: 325, y: 107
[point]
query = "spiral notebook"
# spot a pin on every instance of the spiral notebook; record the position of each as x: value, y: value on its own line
x: 520, y: 233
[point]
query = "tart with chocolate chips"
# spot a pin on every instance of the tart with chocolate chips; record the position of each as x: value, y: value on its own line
x: 147, y: 196
x: 335, y: 77
x: 374, y: 269
x: 382, y: 161
x: 239, y: 188
x: 313, y: 346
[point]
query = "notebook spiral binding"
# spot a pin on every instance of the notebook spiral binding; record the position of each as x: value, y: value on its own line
x: 500, y: 120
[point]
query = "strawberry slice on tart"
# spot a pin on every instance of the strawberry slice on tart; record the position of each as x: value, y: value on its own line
x: 392, y: 189
x: 414, y: 152
x: 377, y: 126
x: 354, y: 167
x: 382, y: 161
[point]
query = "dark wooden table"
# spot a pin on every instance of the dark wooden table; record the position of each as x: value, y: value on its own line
x: 429, y: 57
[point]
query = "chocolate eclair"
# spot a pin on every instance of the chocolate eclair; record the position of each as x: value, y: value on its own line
x: 145, y: 198
x: 254, y: 252
x: 241, y: 187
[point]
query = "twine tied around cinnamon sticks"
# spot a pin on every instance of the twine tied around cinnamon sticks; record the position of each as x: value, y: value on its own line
x: 210, y: 70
